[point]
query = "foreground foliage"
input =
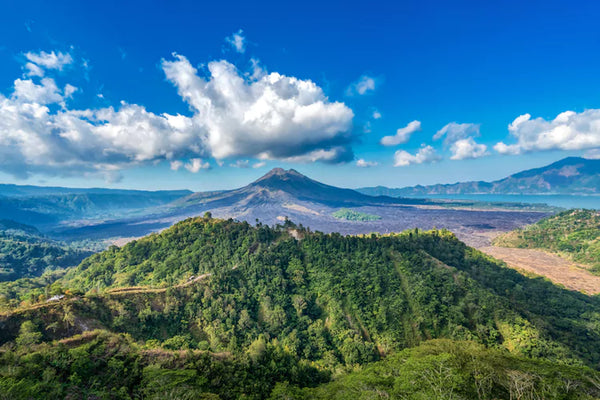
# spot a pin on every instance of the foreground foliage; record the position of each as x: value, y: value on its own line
x: 444, y: 369
x: 283, y: 304
x: 99, y: 364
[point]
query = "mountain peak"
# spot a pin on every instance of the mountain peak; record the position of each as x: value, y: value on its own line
x: 282, y: 174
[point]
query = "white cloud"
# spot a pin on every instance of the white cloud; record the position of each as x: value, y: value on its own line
x: 237, y: 41
x: 364, y: 85
x: 69, y: 90
x: 196, y: 164
x: 38, y: 137
x: 47, y: 92
x: 264, y: 116
x: 333, y: 155
x: 50, y: 60
x: 269, y: 117
x: 376, y: 114
x: 460, y: 139
x: 568, y: 131
x: 33, y: 70
x: 176, y: 165
x: 467, y: 148
x: 362, y: 163
x: 246, y: 164
x: 402, y: 135
x: 425, y: 155
x: 502, y: 148
x: 455, y: 131
x: 240, y: 164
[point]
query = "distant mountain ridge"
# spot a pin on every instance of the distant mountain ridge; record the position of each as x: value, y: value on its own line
x: 41, y: 205
x: 12, y: 190
x: 278, y: 195
x: 571, y: 175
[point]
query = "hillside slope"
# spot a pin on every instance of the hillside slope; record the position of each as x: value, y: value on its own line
x: 572, y: 175
x: 25, y: 253
x: 443, y: 369
x: 325, y: 301
x: 574, y: 234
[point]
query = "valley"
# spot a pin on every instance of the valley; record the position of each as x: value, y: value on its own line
x: 284, y: 194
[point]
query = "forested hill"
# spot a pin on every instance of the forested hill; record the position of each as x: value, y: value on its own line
x: 574, y: 234
x: 571, y: 175
x: 25, y: 253
x: 306, y: 301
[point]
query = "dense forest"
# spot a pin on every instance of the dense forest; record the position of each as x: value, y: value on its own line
x: 222, y: 309
x: 574, y: 234
x: 25, y: 253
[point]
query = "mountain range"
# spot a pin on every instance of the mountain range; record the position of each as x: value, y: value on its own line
x: 44, y: 206
x: 101, y: 214
x: 286, y: 194
x: 572, y: 175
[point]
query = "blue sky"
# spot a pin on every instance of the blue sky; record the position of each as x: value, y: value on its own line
x: 181, y: 94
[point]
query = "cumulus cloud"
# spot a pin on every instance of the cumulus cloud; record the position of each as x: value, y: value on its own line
x: 272, y: 116
x: 33, y: 70
x: 330, y: 156
x: 238, y: 41
x: 467, y: 148
x: 246, y: 164
x: 240, y: 164
x: 46, y: 92
x: 49, y: 60
x: 196, y: 164
x: 176, y: 165
x: 454, y: 131
x: 376, y: 114
x: 38, y: 137
x: 364, y: 85
x: 460, y: 139
x: 568, y: 131
x: 512, y: 149
x: 362, y: 163
x: 402, y: 135
x: 263, y: 116
x: 425, y: 155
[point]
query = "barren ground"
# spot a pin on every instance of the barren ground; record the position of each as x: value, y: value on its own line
x: 559, y: 270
